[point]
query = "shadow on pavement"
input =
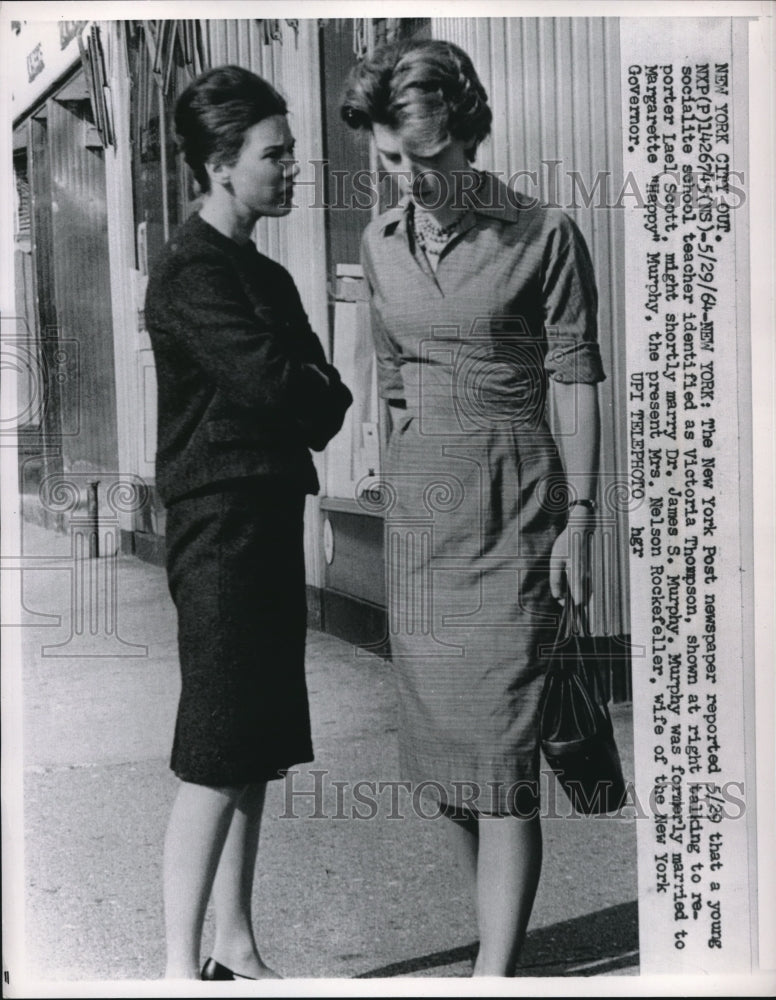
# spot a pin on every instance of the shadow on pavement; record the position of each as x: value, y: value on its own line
x: 591, y: 945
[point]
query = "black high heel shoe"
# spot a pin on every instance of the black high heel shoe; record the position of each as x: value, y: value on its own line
x: 213, y: 971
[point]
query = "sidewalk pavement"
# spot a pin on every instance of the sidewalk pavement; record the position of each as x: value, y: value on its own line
x: 334, y: 897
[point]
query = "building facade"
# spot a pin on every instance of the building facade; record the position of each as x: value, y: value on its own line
x: 100, y: 187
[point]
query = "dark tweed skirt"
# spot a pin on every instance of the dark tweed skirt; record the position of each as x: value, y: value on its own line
x: 235, y: 566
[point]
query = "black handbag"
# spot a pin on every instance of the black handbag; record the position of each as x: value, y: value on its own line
x: 575, y: 726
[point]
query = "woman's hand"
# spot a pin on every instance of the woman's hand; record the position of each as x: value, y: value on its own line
x: 320, y: 423
x: 578, y: 426
x: 570, y: 559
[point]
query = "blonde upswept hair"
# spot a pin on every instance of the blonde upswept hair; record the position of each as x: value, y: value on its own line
x: 426, y: 89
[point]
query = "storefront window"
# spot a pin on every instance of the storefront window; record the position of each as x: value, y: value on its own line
x: 343, y: 42
x: 161, y: 182
x: 353, y: 459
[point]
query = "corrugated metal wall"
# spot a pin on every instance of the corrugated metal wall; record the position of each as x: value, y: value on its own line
x: 43, y: 275
x: 82, y: 292
x: 291, y: 63
x: 554, y: 87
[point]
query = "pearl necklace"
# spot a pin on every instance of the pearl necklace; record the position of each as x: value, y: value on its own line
x: 430, y: 235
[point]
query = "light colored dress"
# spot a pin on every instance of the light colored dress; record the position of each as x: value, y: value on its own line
x: 472, y: 480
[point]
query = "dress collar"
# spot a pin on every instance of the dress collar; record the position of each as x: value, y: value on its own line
x: 491, y: 199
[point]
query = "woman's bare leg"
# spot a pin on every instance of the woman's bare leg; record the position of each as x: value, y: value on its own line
x: 509, y: 861
x: 196, y: 832
x: 235, y: 945
x: 463, y: 835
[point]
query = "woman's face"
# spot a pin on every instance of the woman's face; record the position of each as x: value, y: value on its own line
x: 433, y: 176
x: 262, y: 178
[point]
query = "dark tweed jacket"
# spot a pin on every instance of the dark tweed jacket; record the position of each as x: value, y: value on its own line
x: 234, y: 349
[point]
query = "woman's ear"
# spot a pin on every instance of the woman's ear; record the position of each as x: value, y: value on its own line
x: 219, y: 174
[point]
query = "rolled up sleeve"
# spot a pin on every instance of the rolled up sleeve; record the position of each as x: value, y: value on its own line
x: 570, y: 303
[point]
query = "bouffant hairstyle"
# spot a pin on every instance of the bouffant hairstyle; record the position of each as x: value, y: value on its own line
x: 214, y: 112
x: 426, y: 89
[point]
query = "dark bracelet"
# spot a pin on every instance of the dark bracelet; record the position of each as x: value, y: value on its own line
x: 591, y: 504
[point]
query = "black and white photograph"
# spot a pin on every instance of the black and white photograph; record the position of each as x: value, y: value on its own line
x: 386, y: 442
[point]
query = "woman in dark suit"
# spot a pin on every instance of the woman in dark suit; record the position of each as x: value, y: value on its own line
x: 244, y: 392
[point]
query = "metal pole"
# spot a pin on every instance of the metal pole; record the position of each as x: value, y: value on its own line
x: 93, y: 512
x: 163, y: 163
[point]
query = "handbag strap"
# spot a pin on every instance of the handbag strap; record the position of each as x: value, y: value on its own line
x: 587, y: 660
x: 572, y: 625
x: 561, y: 634
x: 565, y: 649
x: 578, y: 617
